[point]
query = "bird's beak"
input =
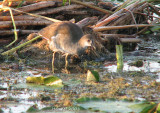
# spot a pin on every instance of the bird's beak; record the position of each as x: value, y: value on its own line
x: 93, y: 46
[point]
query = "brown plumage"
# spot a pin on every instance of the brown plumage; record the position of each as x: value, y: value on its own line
x: 66, y: 37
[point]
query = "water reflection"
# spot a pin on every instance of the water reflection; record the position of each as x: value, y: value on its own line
x: 148, y: 66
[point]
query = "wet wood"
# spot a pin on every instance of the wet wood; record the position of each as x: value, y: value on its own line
x: 35, y: 6
x: 130, y: 40
x: 59, y: 9
x: 87, y: 21
x: 8, y: 18
x: 104, y: 28
x: 11, y: 32
x: 93, y: 7
x: 8, y: 24
x: 118, y: 35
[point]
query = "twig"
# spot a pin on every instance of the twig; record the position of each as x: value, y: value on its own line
x: 14, y: 26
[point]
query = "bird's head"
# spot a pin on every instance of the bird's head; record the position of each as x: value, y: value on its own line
x: 87, y: 41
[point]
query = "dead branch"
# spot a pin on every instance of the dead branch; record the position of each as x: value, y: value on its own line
x: 87, y: 21
x: 154, y: 8
x: 106, y: 21
x: 11, y: 32
x: 118, y: 35
x: 124, y: 40
x: 93, y: 7
x: 58, y: 9
x: 8, y: 24
x: 35, y: 6
x: 70, y: 12
x: 130, y: 40
x: 8, y: 18
x: 104, y: 28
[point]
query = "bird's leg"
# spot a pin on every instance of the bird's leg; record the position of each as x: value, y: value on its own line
x: 53, y: 61
x: 66, y: 63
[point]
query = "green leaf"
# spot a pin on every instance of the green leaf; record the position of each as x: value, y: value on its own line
x: 33, y: 109
x: 36, y: 80
x: 1, y: 111
x: 150, y: 108
x: 158, y: 108
x: 48, y: 108
x: 48, y: 81
x: 93, y: 76
x: 155, y: 28
x: 87, y: 99
x: 52, y: 80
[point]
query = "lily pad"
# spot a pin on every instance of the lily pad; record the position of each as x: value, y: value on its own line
x: 36, y: 80
x: 93, y: 76
x: 119, y: 106
x: 48, y: 81
x: 33, y: 109
x: 35, y: 86
x: 52, y: 80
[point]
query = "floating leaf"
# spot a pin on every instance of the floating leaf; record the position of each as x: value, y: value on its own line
x: 158, y: 108
x: 34, y: 86
x: 138, y: 63
x: 48, y: 108
x: 52, y: 80
x: 87, y: 99
x: 149, y: 108
x: 93, y: 76
x: 49, y: 81
x: 1, y: 111
x: 33, y: 109
x: 36, y: 80
x: 123, y: 106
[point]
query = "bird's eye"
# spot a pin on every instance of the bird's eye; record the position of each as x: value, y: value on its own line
x: 88, y: 40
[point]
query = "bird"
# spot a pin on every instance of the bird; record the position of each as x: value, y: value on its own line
x: 66, y: 37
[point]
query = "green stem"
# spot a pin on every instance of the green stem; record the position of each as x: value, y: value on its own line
x: 15, y: 32
x: 20, y: 46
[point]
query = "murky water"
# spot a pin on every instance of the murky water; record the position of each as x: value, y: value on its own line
x: 16, y: 96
